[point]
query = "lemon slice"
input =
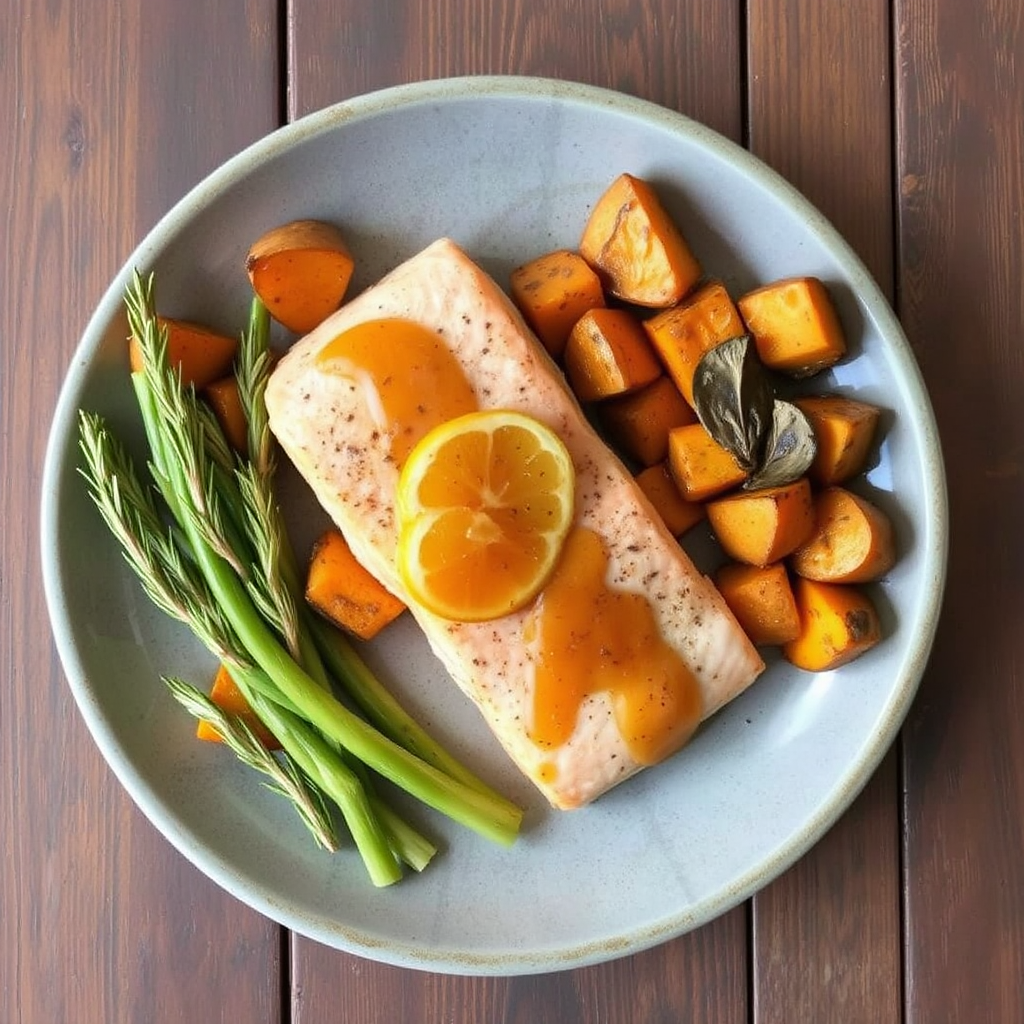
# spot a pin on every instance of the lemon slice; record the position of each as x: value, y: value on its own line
x: 484, y: 504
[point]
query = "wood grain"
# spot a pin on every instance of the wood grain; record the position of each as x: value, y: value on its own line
x: 683, y: 55
x: 827, y: 933
x: 699, y: 977
x: 960, y: 136
x: 679, y: 53
x: 111, y: 111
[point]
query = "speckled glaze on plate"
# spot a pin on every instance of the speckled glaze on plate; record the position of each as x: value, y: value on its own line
x: 509, y: 168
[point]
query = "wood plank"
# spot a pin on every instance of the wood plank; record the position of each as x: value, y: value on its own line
x: 960, y: 137
x: 819, y: 112
x: 680, y: 53
x: 700, y: 976
x: 684, y: 55
x: 827, y: 933
x: 113, y: 109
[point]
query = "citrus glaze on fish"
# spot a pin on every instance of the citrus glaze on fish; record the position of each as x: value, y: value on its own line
x: 628, y: 647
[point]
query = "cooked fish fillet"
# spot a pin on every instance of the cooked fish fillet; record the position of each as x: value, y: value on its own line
x: 331, y: 429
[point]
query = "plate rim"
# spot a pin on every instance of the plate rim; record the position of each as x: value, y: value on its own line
x: 933, y: 539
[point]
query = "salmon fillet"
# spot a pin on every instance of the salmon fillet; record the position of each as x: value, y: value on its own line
x: 332, y: 433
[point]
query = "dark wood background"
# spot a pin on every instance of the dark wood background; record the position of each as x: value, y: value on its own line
x: 902, y: 120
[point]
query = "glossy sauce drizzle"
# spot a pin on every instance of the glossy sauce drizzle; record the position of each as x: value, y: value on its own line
x: 592, y: 638
x: 410, y: 379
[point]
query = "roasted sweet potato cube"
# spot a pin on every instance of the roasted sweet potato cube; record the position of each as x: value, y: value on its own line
x: 678, y: 514
x: 838, y: 623
x: 225, y: 399
x: 608, y: 354
x: 795, y: 325
x: 201, y: 355
x: 761, y: 598
x: 844, y: 430
x: 760, y: 527
x: 228, y: 697
x: 852, y: 540
x: 344, y: 592
x: 636, y: 248
x: 638, y: 424
x: 301, y: 271
x: 683, y: 334
x: 700, y: 466
x: 552, y: 292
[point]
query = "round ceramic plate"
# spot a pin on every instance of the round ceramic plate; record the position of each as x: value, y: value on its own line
x: 509, y: 168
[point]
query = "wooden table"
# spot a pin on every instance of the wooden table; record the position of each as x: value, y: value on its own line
x: 902, y: 121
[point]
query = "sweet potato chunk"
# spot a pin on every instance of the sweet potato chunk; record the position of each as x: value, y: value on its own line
x: 844, y: 430
x: 761, y: 598
x: 301, y: 271
x: 837, y: 624
x: 852, y: 541
x: 683, y: 334
x: 795, y: 325
x: 608, y: 354
x: 700, y: 466
x: 553, y: 292
x: 343, y: 591
x: 760, y: 527
x: 678, y: 514
x: 636, y: 248
x: 224, y: 398
x: 200, y: 354
x: 638, y: 424
x: 228, y: 697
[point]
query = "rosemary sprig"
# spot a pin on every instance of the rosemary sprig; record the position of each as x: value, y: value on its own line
x: 343, y: 778
x: 217, y: 448
x: 252, y: 370
x: 266, y: 584
x: 274, y: 585
x: 196, y: 498
x: 170, y: 580
x: 285, y: 776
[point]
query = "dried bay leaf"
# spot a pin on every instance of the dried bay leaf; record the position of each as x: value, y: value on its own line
x: 789, y: 448
x: 733, y: 398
